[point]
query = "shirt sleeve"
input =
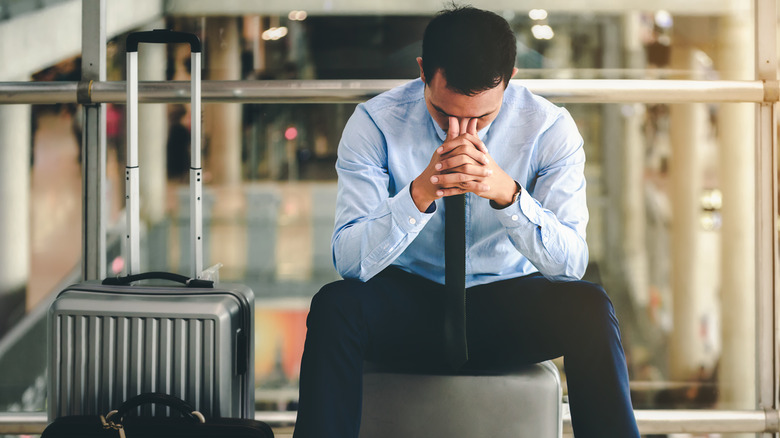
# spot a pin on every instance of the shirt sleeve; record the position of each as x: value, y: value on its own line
x: 547, y: 224
x: 372, y: 228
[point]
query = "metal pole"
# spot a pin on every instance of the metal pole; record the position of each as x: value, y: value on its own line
x: 632, y: 165
x: 766, y: 212
x: 93, y: 67
x: 336, y: 91
x: 650, y: 422
x: 223, y: 47
x: 736, y: 140
x: 688, y: 134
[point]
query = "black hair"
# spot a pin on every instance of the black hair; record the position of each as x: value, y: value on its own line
x: 474, y: 49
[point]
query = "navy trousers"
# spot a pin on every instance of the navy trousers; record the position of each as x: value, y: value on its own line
x: 396, y: 317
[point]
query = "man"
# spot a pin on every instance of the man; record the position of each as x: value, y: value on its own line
x: 462, y: 128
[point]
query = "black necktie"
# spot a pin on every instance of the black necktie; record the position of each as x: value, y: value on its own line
x: 455, y: 280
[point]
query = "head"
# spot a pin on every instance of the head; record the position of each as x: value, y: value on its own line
x: 467, y: 60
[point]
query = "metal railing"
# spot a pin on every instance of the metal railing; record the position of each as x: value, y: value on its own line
x: 649, y: 421
x: 336, y: 91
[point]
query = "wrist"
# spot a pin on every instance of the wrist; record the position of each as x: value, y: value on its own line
x: 500, y: 204
x: 419, y: 196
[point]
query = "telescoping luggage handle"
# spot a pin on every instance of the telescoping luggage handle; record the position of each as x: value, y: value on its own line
x: 163, y: 36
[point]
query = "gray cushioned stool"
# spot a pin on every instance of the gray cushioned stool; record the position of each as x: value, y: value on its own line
x: 520, y: 403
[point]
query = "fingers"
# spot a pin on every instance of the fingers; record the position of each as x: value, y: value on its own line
x: 466, y: 128
x: 463, y: 164
x: 462, y: 139
x: 472, y: 127
x: 453, y: 129
x: 465, y: 145
x: 473, y: 139
x: 456, y: 179
x: 473, y: 186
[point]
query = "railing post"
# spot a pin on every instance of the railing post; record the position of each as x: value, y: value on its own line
x: 766, y: 210
x: 93, y: 68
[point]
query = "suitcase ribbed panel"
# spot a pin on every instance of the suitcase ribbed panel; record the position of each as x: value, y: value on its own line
x: 127, y: 356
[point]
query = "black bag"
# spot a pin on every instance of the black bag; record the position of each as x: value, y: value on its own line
x: 192, y: 424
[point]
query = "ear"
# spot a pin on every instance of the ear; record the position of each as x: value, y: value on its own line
x: 514, y: 72
x: 422, y: 74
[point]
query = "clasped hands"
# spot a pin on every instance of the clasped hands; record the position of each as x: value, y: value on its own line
x: 462, y: 164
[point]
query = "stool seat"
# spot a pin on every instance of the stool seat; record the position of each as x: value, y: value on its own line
x: 518, y: 403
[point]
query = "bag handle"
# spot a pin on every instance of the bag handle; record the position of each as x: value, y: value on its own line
x: 159, y: 398
x: 187, y: 281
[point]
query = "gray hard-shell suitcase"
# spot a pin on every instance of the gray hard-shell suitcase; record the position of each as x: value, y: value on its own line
x: 111, y: 341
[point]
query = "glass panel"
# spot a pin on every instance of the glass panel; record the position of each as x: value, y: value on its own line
x: 273, y: 231
x: 273, y: 234
x: 665, y: 241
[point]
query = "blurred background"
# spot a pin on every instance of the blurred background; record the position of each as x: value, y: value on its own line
x: 671, y: 187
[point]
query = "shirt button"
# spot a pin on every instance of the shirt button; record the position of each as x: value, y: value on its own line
x: 515, y: 217
x: 412, y: 220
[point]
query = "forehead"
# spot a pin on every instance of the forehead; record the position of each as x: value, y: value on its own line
x: 452, y: 103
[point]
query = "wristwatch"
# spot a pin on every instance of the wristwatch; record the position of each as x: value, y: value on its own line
x: 515, y: 197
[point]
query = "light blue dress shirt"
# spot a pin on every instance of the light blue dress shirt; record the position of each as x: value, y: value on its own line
x: 390, y: 140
